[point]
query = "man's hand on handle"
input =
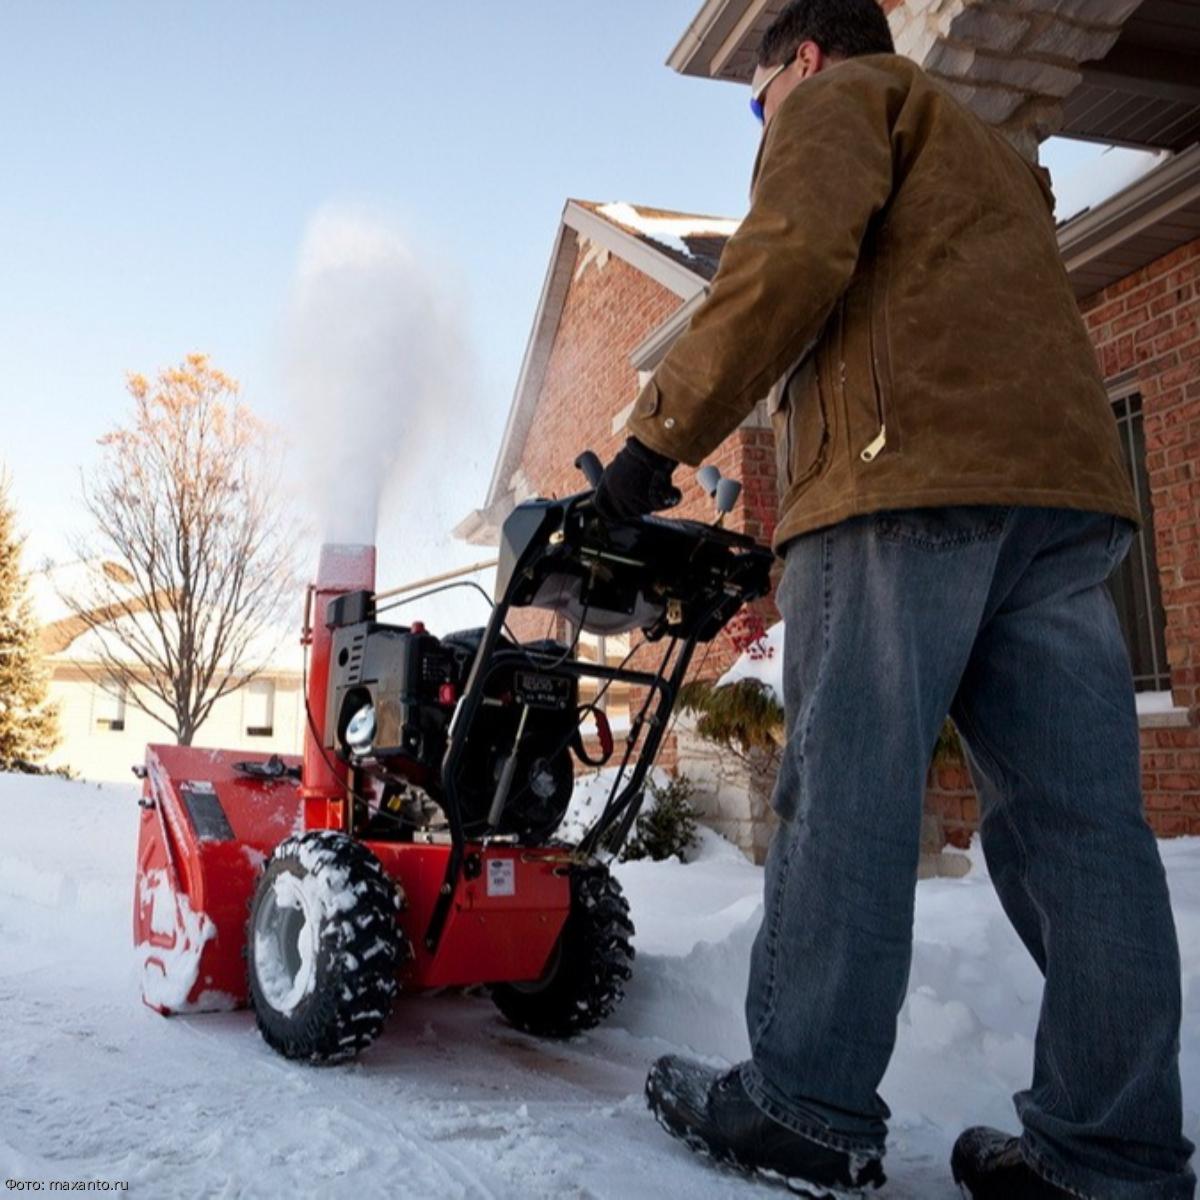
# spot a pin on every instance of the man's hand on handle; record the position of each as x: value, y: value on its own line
x: 636, y: 482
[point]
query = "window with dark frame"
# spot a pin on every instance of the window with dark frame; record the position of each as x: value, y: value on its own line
x: 109, y: 705
x: 1134, y: 584
x: 258, y: 708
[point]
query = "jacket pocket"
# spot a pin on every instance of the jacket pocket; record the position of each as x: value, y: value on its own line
x: 799, y: 420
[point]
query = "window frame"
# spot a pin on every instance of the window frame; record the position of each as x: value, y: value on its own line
x: 259, y: 731
x: 115, y: 692
x: 1128, y: 406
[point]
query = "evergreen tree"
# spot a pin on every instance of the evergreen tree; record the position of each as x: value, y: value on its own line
x: 28, y: 724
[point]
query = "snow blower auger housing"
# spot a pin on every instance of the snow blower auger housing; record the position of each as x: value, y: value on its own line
x: 414, y: 844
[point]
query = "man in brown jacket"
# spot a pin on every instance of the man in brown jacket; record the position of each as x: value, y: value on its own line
x: 952, y: 501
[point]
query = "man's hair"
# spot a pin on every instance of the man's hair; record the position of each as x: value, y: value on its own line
x: 845, y: 28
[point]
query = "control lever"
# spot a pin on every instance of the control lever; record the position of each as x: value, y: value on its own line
x: 728, y: 491
x: 591, y: 466
x: 724, y: 491
x: 708, y: 477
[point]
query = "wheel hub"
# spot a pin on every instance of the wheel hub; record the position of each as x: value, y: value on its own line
x: 286, y: 931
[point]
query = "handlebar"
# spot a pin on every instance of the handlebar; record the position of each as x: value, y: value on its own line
x: 591, y: 466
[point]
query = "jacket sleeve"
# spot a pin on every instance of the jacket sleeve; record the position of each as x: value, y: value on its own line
x: 824, y: 170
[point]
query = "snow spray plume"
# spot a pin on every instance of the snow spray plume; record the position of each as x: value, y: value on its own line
x: 374, y: 368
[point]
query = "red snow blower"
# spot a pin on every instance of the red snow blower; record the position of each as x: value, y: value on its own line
x: 414, y: 845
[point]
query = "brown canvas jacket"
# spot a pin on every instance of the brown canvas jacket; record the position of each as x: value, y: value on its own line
x: 897, y: 279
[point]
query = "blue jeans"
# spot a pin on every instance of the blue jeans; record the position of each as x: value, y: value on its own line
x: 1001, y: 618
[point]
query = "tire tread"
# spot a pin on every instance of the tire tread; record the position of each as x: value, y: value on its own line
x: 361, y: 950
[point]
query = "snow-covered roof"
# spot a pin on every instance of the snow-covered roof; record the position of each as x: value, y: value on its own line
x: 694, y: 241
x: 47, y: 587
x: 66, y: 637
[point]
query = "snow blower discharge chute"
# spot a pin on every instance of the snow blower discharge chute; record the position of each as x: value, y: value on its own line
x: 414, y: 844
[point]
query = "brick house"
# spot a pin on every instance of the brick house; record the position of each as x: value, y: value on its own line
x: 623, y: 282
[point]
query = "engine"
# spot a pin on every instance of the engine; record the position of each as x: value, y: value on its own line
x: 392, y: 694
x: 481, y: 729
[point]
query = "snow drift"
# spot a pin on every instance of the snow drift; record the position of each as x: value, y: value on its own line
x: 450, y: 1101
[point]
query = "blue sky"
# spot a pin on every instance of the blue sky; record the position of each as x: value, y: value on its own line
x: 161, y: 163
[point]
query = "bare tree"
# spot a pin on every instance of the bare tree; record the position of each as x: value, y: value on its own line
x: 184, y: 501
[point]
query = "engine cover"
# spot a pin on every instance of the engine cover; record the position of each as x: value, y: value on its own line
x: 400, y: 674
x: 411, y: 681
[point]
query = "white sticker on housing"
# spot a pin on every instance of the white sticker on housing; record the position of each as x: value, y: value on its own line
x: 501, y: 877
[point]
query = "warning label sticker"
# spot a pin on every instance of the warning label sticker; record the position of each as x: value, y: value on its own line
x: 501, y: 877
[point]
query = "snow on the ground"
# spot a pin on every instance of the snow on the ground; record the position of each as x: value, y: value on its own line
x: 592, y: 792
x: 762, y: 660
x: 451, y: 1102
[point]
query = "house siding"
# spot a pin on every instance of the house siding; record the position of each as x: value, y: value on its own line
x: 94, y: 752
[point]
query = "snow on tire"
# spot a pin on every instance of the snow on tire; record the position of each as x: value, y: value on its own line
x: 323, y: 947
x: 592, y: 960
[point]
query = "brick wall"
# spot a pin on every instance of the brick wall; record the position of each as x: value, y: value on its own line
x: 610, y: 309
x: 1149, y: 322
x: 1148, y: 325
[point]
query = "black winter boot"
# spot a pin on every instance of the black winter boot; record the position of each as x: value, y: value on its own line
x: 988, y: 1165
x: 712, y: 1114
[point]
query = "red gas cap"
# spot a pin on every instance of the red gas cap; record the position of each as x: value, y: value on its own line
x: 447, y: 694
x: 417, y: 627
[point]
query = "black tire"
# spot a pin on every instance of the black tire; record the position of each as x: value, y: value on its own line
x: 591, y: 963
x: 323, y: 947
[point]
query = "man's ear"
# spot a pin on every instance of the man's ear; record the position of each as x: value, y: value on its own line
x: 811, y: 58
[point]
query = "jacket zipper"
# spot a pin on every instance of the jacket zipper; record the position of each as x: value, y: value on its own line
x: 872, y: 450
x: 789, y: 440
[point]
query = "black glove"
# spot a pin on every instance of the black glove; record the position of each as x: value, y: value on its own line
x: 636, y: 482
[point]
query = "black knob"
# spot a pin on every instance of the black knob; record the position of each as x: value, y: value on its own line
x: 591, y: 466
